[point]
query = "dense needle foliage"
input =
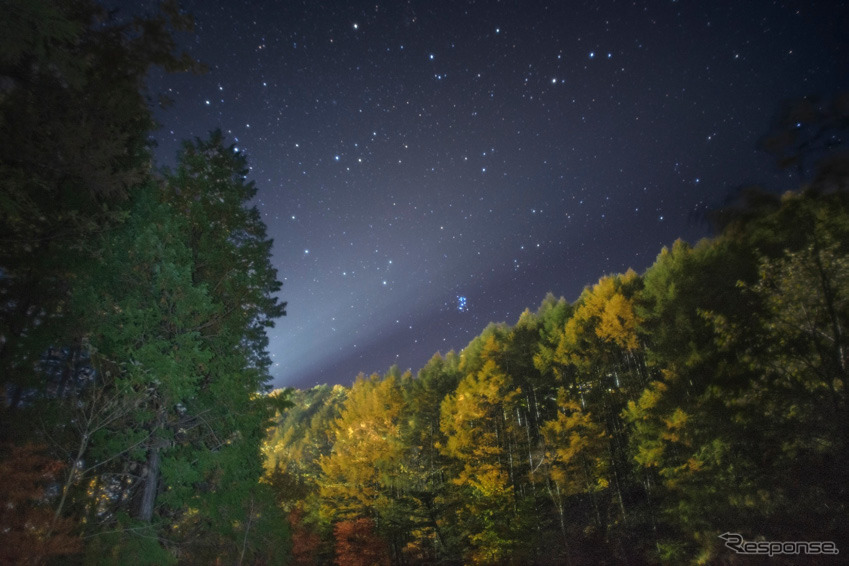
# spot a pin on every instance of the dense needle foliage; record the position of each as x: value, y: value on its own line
x: 133, y: 309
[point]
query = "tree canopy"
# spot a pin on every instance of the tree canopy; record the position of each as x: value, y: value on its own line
x: 635, y: 425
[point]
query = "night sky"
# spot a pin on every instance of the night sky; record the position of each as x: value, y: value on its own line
x: 428, y: 167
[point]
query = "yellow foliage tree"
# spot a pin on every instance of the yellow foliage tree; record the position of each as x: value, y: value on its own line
x: 367, y: 451
x: 476, y: 420
x: 576, y: 448
x: 605, y: 317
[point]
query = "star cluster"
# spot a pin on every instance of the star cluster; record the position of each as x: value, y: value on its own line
x: 427, y: 167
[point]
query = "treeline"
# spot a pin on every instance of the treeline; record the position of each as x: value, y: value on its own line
x: 635, y: 425
x: 133, y: 310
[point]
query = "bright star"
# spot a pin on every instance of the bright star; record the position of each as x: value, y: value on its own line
x: 461, y: 303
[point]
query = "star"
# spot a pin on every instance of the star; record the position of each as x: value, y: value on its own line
x: 422, y: 181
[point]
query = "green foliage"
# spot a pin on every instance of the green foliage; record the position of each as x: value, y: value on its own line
x: 188, y: 348
x: 160, y: 287
x: 127, y: 542
x: 75, y: 122
x: 750, y: 397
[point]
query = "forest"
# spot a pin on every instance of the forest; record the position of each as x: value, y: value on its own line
x: 634, y: 425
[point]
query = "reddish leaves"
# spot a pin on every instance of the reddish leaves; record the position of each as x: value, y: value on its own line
x: 358, y: 545
x: 28, y: 532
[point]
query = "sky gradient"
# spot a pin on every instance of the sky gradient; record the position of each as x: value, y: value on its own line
x: 428, y: 167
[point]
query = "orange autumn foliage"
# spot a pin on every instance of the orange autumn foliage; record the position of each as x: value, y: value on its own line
x: 305, y: 542
x: 358, y: 545
x: 28, y: 532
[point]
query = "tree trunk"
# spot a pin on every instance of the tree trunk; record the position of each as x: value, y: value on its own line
x: 150, y: 485
x: 69, y: 480
x: 69, y: 369
x: 247, y: 531
x: 616, y: 480
x: 558, y: 502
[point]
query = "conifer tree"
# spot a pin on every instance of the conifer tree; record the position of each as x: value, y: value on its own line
x: 75, y: 120
x: 477, y: 420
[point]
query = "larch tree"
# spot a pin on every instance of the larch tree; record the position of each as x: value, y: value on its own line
x: 477, y: 420
x: 427, y: 486
x: 360, y: 476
